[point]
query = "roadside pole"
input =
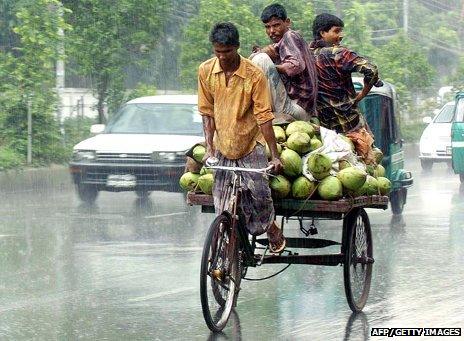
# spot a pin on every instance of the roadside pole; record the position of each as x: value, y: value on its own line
x: 29, y: 131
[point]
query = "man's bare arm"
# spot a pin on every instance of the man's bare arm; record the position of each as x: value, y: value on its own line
x: 268, y: 133
x: 209, y: 127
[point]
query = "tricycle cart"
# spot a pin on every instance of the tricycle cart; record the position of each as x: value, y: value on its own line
x: 223, y: 270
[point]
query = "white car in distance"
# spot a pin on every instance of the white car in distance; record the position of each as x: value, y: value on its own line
x: 435, y: 142
x: 141, y: 149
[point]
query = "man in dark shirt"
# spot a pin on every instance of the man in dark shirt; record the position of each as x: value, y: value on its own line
x: 289, y: 66
x: 337, y: 99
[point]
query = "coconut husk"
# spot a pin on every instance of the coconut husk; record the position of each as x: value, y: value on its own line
x: 192, y: 166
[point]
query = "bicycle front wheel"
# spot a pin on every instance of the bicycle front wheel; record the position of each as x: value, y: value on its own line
x: 219, y: 274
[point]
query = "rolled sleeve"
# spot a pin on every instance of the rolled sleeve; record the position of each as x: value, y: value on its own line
x: 291, y: 60
x: 261, y: 96
x: 205, y: 98
x: 352, y: 62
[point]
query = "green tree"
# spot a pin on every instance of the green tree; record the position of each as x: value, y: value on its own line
x: 107, y: 36
x: 196, y: 48
x: 404, y: 63
x: 358, y: 33
x: 27, y: 80
x: 457, y: 79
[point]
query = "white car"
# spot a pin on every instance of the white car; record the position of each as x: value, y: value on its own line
x: 435, y: 142
x: 141, y: 149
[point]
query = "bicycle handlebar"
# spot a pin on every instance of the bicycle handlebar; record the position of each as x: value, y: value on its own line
x: 212, y: 161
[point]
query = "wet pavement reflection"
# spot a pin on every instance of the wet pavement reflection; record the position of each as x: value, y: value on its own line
x: 128, y: 269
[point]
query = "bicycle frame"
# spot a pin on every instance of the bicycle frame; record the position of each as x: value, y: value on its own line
x: 237, y: 219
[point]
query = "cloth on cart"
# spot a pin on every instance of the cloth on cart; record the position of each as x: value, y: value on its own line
x: 256, y: 202
x: 336, y: 148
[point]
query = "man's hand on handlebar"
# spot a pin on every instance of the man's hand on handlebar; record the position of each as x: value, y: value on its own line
x: 277, y: 165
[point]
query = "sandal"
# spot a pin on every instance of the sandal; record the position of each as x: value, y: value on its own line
x: 279, y: 246
x: 277, y: 240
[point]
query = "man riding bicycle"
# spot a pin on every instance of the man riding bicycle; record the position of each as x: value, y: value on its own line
x: 234, y: 101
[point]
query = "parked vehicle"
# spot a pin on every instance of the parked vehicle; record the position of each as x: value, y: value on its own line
x: 435, y: 142
x: 457, y: 136
x: 380, y: 108
x: 141, y: 149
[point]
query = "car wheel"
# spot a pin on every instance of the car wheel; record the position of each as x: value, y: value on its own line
x: 87, y: 194
x: 461, y: 177
x: 143, y: 194
x: 426, y: 165
x: 397, y: 200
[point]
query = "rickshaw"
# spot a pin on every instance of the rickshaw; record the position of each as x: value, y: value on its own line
x: 457, y: 136
x: 380, y: 108
x: 229, y: 250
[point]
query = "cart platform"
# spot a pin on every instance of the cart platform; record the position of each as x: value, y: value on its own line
x: 304, y: 208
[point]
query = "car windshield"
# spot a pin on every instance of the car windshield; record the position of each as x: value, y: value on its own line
x: 460, y: 110
x: 156, y: 118
x: 445, y: 115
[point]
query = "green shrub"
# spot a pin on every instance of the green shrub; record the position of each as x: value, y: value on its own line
x: 10, y: 159
x: 411, y: 132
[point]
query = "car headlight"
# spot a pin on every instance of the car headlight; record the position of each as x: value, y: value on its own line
x: 168, y: 156
x: 84, y: 155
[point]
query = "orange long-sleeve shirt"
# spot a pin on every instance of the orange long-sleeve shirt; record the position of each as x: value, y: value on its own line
x: 238, y: 109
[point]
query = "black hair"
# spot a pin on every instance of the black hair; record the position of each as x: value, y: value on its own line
x: 274, y: 10
x: 224, y: 33
x: 324, y: 22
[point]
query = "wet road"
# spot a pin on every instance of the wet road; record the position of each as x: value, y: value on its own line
x: 128, y: 269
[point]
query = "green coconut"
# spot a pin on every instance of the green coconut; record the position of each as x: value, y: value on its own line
x: 378, y: 155
x: 370, y: 170
x: 299, y: 142
x: 302, y: 188
x: 347, y: 140
x: 342, y: 164
x: 280, y: 186
x: 315, y: 120
x: 300, y: 126
x: 292, y: 162
x: 379, y: 171
x: 198, y: 153
x: 319, y: 165
x: 352, y: 178
x: 384, y: 185
x: 205, y: 182
x: 205, y: 170
x: 315, y: 143
x: 268, y: 151
x: 188, y: 181
x: 330, y: 188
x: 279, y: 134
x: 370, y: 187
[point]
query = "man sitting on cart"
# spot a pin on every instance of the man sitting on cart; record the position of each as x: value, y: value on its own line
x: 234, y: 100
x: 289, y: 67
x: 337, y: 99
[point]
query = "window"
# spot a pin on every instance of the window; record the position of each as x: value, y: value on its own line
x: 157, y: 118
x: 445, y: 115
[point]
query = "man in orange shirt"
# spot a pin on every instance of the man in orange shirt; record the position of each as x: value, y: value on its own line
x: 234, y: 100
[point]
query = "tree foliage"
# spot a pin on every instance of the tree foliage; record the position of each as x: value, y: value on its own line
x: 106, y: 38
x: 196, y: 47
x: 27, y: 80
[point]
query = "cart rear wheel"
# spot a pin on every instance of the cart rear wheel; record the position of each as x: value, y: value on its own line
x: 219, y: 274
x: 357, y: 267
